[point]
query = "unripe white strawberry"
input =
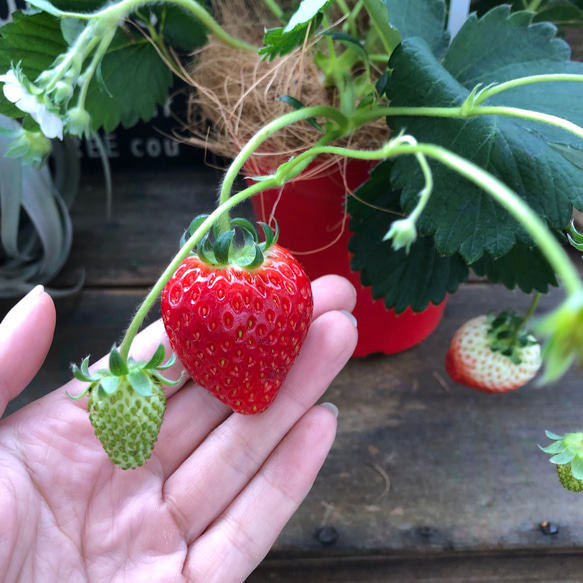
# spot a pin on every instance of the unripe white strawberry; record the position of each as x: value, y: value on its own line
x: 493, y: 354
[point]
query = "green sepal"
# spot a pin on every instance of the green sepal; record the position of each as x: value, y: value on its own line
x: 556, y: 447
x: 194, y: 225
x: 552, y: 435
x: 167, y: 382
x: 109, y: 384
x: 157, y: 358
x: 252, y: 263
x: 222, y: 247
x: 168, y: 364
x: 562, y: 458
x: 117, y: 365
x: 247, y: 227
x: 575, y: 238
x: 270, y: 235
x: 140, y: 382
x: 82, y: 373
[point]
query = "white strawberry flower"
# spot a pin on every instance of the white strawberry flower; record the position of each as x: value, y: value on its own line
x: 14, y: 90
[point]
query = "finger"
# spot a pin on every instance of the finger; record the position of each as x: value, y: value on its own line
x: 332, y: 292
x: 216, y: 472
x: 26, y: 334
x: 180, y: 436
x: 241, y: 537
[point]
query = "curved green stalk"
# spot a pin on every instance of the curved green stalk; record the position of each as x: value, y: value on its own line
x: 113, y: 14
x: 152, y: 296
x: 267, y: 131
x: 486, y: 93
x: 509, y: 200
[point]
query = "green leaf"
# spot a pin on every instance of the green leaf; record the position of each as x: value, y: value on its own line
x: 136, y: 82
x: 117, y: 365
x: 306, y: 11
x: 523, y: 266
x: 297, y: 104
x: 140, y: 382
x: 420, y: 18
x: 282, y: 41
x: 34, y: 41
x: 460, y: 216
x: 415, y: 279
x: 379, y: 17
x: 181, y: 29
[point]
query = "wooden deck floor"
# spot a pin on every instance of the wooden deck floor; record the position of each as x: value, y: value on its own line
x: 427, y: 481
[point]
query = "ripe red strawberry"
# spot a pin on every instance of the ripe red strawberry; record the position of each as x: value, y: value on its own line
x: 493, y: 354
x: 238, y: 328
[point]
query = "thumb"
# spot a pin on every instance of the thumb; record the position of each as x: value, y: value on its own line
x: 26, y: 334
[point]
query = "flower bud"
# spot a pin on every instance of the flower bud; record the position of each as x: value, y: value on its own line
x: 33, y: 146
x: 78, y: 122
x: 403, y: 233
x: 62, y: 92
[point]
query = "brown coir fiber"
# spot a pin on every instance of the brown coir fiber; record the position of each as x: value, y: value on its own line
x: 235, y: 93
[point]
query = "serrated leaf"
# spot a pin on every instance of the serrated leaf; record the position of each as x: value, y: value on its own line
x: 420, y: 18
x: 459, y: 215
x: 415, y: 279
x: 523, y: 266
x: 116, y: 101
x: 277, y: 42
x: 140, y: 382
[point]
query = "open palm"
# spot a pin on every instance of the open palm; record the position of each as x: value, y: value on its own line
x: 209, y: 503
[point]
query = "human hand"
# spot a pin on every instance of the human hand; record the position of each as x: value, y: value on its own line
x: 212, y: 499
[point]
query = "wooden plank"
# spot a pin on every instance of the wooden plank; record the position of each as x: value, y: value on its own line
x: 427, y: 568
x: 150, y: 213
x: 419, y: 465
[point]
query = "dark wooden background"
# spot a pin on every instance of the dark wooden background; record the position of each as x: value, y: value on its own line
x: 427, y: 482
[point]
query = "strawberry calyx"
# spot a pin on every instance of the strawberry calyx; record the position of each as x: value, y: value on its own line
x: 567, y: 454
x: 240, y: 245
x: 508, y: 336
x: 142, y: 376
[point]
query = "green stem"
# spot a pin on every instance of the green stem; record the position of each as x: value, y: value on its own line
x: 349, y: 17
x: 521, y: 211
x: 531, y: 309
x: 521, y: 81
x: 267, y: 131
x: 112, y: 15
x: 275, y: 10
x: 152, y: 296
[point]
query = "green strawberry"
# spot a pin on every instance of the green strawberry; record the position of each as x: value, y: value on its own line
x: 126, y: 405
x: 567, y: 453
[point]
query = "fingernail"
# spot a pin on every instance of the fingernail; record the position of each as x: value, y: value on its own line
x: 353, y: 287
x: 331, y: 407
x: 350, y: 317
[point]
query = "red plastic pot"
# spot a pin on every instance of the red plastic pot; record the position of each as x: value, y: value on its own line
x: 313, y: 225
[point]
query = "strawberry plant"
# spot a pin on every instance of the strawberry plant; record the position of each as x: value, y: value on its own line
x: 474, y: 126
